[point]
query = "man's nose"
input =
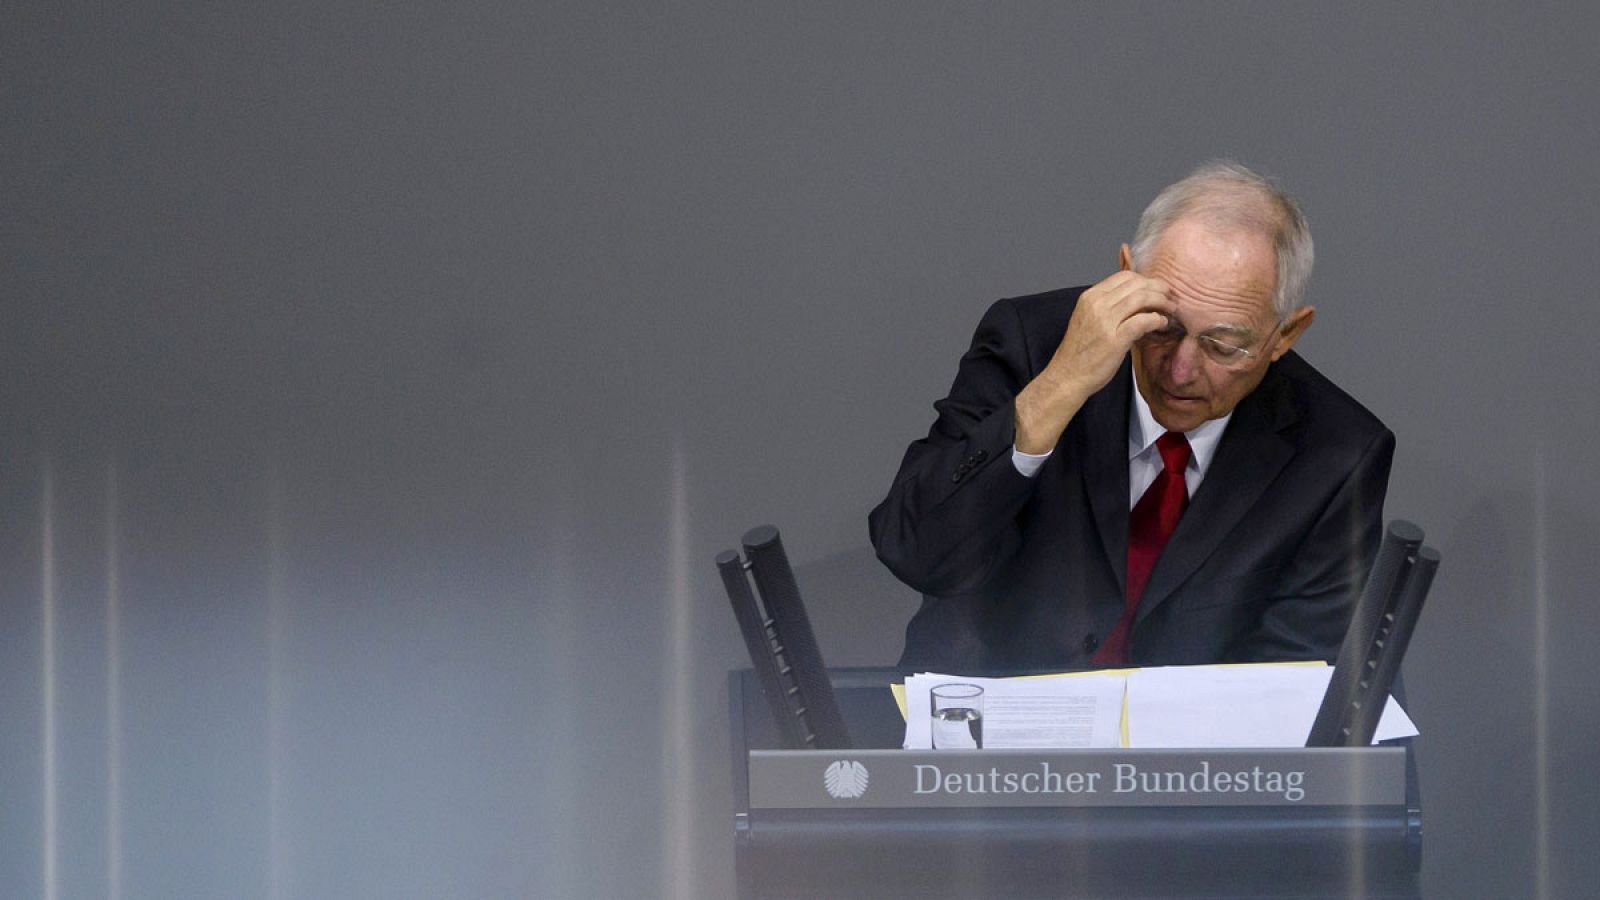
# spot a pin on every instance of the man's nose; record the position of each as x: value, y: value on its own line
x: 1184, y: 364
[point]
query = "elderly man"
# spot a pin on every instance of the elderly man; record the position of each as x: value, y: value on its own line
x: 1143, y: 471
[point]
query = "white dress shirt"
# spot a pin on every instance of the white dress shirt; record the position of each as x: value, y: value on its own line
x: 1144, y: 459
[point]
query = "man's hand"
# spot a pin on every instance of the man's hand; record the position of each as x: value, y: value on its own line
x: 1109, y: 317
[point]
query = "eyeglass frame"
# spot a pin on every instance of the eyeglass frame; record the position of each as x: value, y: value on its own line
x: 1175, y: 332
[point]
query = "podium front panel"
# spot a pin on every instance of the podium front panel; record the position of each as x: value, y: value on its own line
x: 879, y: 822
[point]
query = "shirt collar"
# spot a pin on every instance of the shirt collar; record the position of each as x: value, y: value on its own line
x: 1143, y: 429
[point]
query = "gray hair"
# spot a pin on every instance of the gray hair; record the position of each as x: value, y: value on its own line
x: 1225, y: 194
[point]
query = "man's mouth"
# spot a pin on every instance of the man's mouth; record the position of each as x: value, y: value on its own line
x: 1179, y: 398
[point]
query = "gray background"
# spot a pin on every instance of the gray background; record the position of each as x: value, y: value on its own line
x: 379, y: 382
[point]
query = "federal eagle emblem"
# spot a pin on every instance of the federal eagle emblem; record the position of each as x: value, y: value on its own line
x: 845, y: 779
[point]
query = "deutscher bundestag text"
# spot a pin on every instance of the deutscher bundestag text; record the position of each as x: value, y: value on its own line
x: 1125, y: 778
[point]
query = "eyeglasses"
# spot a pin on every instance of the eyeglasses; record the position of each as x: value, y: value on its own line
x: 1223, y: 353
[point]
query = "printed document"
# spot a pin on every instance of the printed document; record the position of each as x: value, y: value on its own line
x: 1029, y: 713
x: 1257, y: 705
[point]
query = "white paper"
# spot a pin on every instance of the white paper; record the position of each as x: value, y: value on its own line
x: 1235, y: 706
x: 1262, y: 705
x: 1028, y: 713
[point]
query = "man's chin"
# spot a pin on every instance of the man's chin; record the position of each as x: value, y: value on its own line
x: 1175, y: 414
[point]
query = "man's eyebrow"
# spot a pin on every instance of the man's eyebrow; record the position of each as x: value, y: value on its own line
x: 1225, y: 328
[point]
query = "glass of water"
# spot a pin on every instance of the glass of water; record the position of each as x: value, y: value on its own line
x: 957, y: 717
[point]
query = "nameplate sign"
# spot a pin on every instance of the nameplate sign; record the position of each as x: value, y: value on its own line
x: 866, y: 779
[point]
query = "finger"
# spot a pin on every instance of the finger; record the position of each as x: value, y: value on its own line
x: 1109, y: 288
x: 1140, y: 324
x: 1151, y: 295
x: 1118, y: 277
x: 1114, y: 291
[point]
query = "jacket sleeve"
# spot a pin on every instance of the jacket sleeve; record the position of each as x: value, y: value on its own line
x: 950, y: 517
x: 1307, y: 618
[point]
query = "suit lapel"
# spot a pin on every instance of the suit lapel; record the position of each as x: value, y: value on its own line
x: 1250, y: 456
x: 1105, y: 468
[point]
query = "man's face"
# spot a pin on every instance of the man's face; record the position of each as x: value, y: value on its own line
x: 1222, y: 282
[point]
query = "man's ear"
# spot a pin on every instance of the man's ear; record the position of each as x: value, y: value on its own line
x: 1292, y: 329
x: 1125, y: 257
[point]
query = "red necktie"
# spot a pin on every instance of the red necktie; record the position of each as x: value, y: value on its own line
x: 1149, y: 525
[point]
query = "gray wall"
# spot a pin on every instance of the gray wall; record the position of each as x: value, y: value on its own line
x: 379, y: 382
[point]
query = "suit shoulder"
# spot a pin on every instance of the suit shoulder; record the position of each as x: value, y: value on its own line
x: 1025, y: 329
x: 1326, y: 407
x: 1040, y: 319
x: 1044, y: 308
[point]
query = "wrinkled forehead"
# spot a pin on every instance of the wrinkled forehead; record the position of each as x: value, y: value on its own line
x: 1222, y: 272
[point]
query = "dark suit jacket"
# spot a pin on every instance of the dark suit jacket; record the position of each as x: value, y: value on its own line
x: 1028, y: 573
